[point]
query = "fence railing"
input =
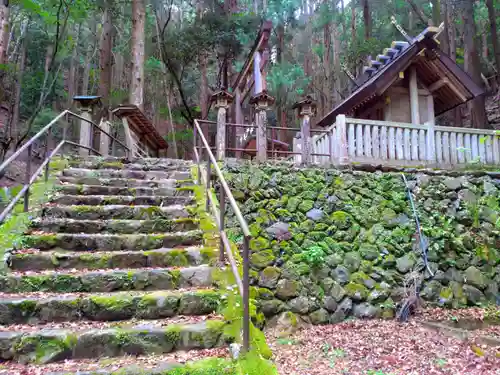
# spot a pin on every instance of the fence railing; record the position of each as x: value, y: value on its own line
x: 50, y: 151
x: 384, y: 142
x: 203, y: 155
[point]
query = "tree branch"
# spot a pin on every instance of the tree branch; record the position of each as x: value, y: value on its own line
x: 419, y: 12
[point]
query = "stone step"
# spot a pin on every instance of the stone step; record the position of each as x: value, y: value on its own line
x: 213, y: 361
x: 36, y: 310
x: 48, y: 346
x: 91, y: 190
x: 115, y: 211
x: 114, y: 226
x: 74, y: 281
x: 127, y: 173
x: 36, y: 260
x: 111, y: 242
x: 127, y: 182
x: 129, y: 200
x: 148, y: 164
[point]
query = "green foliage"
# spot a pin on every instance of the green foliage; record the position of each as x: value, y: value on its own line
x: 314, y: 256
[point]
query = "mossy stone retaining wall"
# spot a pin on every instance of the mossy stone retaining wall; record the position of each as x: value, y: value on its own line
x: 332, y: 243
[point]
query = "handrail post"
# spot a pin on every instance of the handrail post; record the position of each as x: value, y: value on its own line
x: 27, y: 178
x: 222, y: 203
x: 209, y: 177
x: 342, y: 139
x: 261, y: 101
x: 48, y: 141
x: 306, y: 109
x: 222, y: 100
x: 246, y: 294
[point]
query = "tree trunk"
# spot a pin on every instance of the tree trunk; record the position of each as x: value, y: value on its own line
x: 494, y: 35
x: 138, y: 42
x: 337, y: 51
x: 367, y: 18
x: 73, y: 68
x: 473, y: 65
x: 4, y: 30
x: 354, y: 39
x: 327, y: 43
x: 88, y: 60
x: 105, y: 49
x: 436, y: 12
x: 14, y: 126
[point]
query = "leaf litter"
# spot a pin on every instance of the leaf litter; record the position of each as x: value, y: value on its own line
x: 385, y: 347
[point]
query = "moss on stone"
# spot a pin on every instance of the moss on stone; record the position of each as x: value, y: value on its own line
x: 93, y: 261
x: 176, y: 258
x: 113, y: 303
x: 356, y: 291
x: 306, y: 205
x: 262, y: 259
x: 259, y: 243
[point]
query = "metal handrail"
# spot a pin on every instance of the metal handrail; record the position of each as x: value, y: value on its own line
x: 225, y: 246
x: 29, y: 178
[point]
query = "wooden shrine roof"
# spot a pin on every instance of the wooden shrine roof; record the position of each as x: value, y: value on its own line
x: 141, y: 126
x: 447, y: 82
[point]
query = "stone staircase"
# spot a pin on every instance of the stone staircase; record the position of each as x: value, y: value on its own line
x: 115, y: 266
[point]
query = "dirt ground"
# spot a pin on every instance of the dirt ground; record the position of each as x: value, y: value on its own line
x: 386, y: 347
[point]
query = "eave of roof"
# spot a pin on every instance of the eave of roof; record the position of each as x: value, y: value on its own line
x: 141, y: 125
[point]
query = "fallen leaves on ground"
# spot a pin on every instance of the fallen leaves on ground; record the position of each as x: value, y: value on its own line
x: 380, y: 347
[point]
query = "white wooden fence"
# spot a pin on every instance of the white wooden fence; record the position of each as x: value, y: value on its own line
x: 383, y: 142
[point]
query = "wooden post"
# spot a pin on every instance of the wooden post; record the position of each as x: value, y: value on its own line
x: 104, y: 139
x: 297, y: 147
x: 261, y: 102
x: 306, y: 109
x: 222, y: 100
x: 129, y: 140
x: 415, y: 114
x: 430, y: 141
x: 342, y: 139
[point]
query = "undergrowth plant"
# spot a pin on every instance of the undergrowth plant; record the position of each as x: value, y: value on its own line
x: 314, y: 256
x: 12, y: 230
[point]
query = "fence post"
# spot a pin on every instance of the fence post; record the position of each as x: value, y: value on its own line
x: 306, y: 108
x: 297, y: 147
x: 222, y: 100
x: 342, y: 139
x: 261, y: 101
x: 430, y: 142
x: 87, y: 103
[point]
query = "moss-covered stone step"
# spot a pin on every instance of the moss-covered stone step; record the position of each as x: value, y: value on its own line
x: 46, y: 260
x: 59, y: 345
x: 128, y: 173
x: 115, y: 226
x: 160, y: 364
x: 127, y: 182
x: 72, y: 189
x: 111, y: 242
x: 107, y: 307
x: 107, y: 280
x: 157, y: 365
x: 114, y: 211
x: 129, y: 200
x: 137, y: 164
